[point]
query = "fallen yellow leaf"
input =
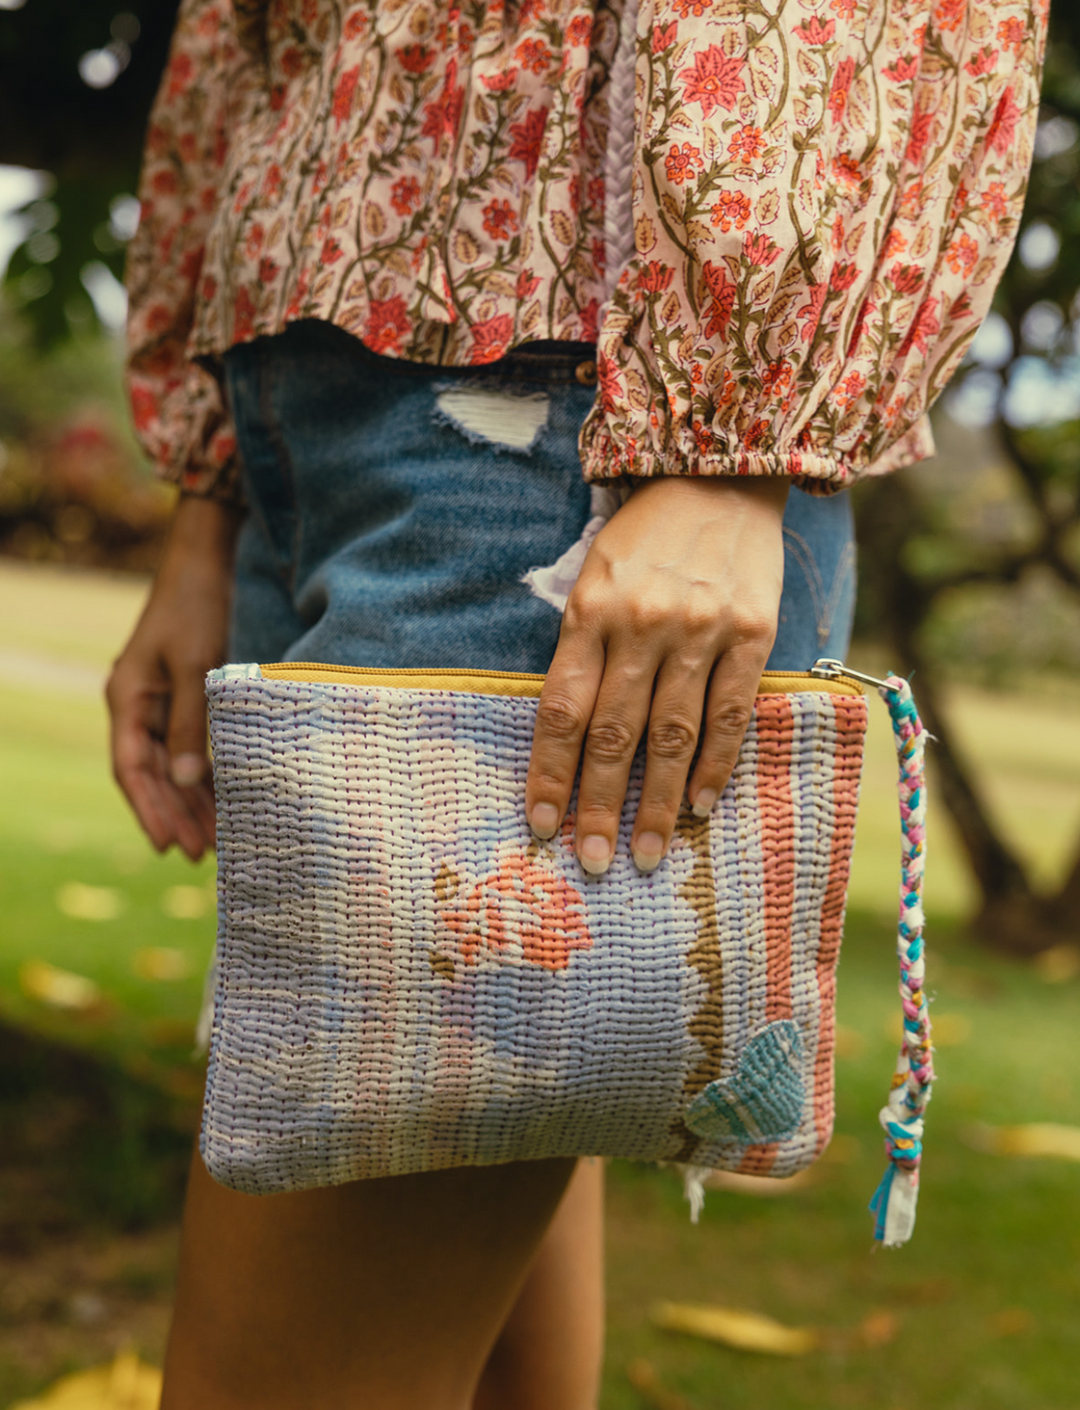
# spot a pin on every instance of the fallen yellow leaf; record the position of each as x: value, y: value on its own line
x: 59, y: 988
x: 747, y: 1331
x: 1058, y: 964
x: 186, y: 902
x: 160, y: 962
x: 89, y: 902
x: 126, y: 1384
x: 1040, y: 1138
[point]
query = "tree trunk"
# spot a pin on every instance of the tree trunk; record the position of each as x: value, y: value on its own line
x: 1011, y: 915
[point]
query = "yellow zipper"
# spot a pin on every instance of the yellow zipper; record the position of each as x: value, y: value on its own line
x: 519, y: 683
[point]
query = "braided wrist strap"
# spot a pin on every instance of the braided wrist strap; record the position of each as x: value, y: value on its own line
x: 894, y: 1202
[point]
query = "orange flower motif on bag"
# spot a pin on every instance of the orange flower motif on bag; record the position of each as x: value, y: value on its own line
x: 521, y: 913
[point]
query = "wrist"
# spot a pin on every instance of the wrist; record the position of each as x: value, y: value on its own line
x: 204, y: 528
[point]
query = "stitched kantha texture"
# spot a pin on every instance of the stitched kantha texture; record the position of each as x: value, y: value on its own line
x: 408, y: 980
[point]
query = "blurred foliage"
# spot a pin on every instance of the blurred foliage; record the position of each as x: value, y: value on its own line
x: 971, y: 563
x: 54, y: 118
x: 73, y: 484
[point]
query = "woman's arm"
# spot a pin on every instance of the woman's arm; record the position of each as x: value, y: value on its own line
x: 667, y: 631
x: 156, y: 691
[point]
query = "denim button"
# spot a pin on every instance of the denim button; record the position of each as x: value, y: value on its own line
x: 585, y: 372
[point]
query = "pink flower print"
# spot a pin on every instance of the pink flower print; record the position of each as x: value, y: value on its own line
x: 387, y: 323
x: 664, y: 38
x: 344, y: 94
x: 527, y: 285
x: 1003, y: 127
x: 695, y: 8
x: 526, y: 138
x: 760, y: 250
x: 841, y: 86
x: 815, y: 32
x: 843, y: 276
x: 522, y: 913
x: 655, y: 278
x: 491, y: 339
x: 414, y: 58
x: 895, y: 243
x: 906, y: 278
x: 810, y: 313
x: 844, y: 8
x: 924, y: 327
x: 714, y: 80
x: 683, y: 164
x: 500, y: 82
x: 722, y: 302
x: 904, y: 70
x: 922, y: 121
x: 443, y: 114
x: 985, y: 61
x: 609, y: 382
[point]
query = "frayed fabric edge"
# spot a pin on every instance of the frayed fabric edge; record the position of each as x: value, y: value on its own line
x: 554, y: 583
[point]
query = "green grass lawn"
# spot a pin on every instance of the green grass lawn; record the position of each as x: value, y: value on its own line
x: 978, y: 1313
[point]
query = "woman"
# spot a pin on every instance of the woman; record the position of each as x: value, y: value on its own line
x: 379, y: 245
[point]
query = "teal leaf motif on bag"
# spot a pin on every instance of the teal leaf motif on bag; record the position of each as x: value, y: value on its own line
x: 763, y: 1100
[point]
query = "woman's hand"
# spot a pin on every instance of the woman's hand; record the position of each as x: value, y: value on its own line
x: 156, y: 691
x: 668, y: 628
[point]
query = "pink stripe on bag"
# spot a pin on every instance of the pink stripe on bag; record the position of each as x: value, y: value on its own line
x: 775, y: 731
x: 850, y: 714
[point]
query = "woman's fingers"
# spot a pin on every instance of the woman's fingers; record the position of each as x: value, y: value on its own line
x: 562, y: 717
x: 139, y: 702
x: 617, y: 724
x: 730, y: 704
x: 673, y: 732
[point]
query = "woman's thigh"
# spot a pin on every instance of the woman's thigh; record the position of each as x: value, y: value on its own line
x: 387, y: 1293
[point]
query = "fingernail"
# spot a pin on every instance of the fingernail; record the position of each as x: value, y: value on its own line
x: 648, y: 851
x: 544, y: 820
x: 187, y: 769
x: 705, y: 800
x: 594, y: 854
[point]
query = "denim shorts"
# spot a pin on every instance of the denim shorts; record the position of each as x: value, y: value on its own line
x: 394, y: 509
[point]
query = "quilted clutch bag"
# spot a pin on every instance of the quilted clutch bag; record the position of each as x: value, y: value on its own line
x: 408, y: 980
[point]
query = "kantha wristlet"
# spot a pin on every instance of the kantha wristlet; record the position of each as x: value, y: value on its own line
x: 409, y: 980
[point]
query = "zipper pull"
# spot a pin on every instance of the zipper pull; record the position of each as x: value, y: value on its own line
x: 825, y: 668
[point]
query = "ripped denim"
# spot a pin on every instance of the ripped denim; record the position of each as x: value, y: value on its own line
x: 395, y: 509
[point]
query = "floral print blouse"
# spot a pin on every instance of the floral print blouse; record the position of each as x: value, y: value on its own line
x: 781, y: 221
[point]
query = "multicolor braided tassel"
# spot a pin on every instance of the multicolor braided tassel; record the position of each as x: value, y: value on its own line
x: 894, y: 1202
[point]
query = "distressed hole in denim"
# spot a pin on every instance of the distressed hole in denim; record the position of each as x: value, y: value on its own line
x: 499, y: 418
